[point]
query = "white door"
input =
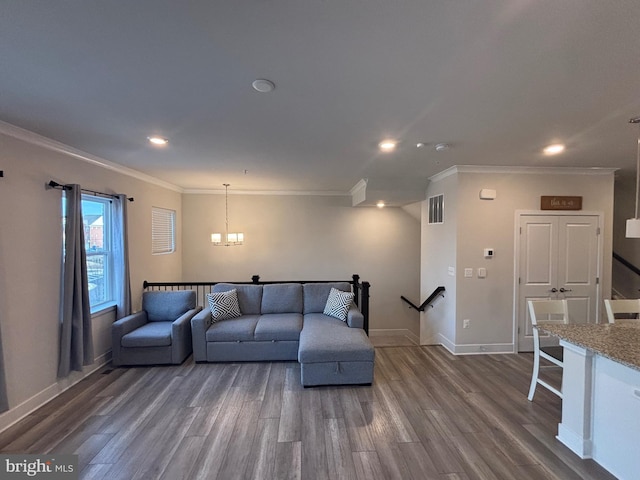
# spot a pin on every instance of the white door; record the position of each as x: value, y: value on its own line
x: 558, y: 259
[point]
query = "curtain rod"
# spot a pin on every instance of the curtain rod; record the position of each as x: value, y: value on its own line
x: 59, y: 186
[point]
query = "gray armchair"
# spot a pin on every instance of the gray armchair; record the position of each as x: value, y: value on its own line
x: 158, y: 334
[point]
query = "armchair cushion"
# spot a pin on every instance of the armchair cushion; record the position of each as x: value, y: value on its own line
x: 163, y: 306
x: 152, y: 334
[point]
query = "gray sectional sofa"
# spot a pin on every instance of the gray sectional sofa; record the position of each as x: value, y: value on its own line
x: 285, y: 321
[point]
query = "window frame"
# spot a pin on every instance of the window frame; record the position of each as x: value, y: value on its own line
x: 106, y: 251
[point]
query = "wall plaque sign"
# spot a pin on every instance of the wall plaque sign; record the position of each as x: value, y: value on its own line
x: 556, y: 202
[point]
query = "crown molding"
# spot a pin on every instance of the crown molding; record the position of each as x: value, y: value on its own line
x: 306, y: 193
x: 522, y: 171
x: 55, y: 146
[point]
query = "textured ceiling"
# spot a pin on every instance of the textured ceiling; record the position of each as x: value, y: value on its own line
x: 496, y: 79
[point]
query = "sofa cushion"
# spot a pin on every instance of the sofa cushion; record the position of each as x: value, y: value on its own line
x: 249, y: 296
x: 224, y: 305
x: 167, y: 306
x: 152, y: 334
x: 338, y: 304
x: 315, y: 295
x: 282, y: 298
x: 239, y: 329
x: 335, y: 345
x: 279, y: 327
x: 321, y: 321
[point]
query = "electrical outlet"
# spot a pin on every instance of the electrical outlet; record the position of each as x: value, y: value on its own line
x: 465, y: 323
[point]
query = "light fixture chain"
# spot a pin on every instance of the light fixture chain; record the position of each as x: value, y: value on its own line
x: 226, y: 213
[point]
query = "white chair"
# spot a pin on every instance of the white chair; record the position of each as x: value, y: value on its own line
x: 541, y: 312
x: 624, y: 307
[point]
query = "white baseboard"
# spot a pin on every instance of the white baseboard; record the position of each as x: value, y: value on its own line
x: 578, y: 445
x: 395, y: 332
x: 473, y: 349
x: 17, y: 413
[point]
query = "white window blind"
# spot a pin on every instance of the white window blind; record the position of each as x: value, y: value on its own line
x: 163, y: 231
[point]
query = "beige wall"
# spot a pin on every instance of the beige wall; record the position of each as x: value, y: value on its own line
x: 437, y: 324
x: 309, y: 238
x: 488, y: 302
x: 30, y: 256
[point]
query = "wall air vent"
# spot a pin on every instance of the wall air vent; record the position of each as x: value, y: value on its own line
x: 436, y: 209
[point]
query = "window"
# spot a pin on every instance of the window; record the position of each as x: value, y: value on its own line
x: 436, y: 209
x: 96, y: 219
x: 163, y: 231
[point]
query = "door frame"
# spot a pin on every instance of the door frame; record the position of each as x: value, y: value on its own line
x: 516, y: 259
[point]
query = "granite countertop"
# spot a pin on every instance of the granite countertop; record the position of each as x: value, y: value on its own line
x: 619, y: 342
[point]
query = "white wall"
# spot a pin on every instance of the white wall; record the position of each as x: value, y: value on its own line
x: 309, y: 238
x: 30, y: 256
x: 488, y: 302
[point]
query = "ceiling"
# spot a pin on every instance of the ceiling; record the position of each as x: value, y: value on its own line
x: 497, y: 80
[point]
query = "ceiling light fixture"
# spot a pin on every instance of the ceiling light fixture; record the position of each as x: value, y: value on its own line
x: 159, y: 141
x: 231, y: 239
x: 633, y: 224
x: 387, y: 145
x: 263, y: 85
x: 441, y: 147
x: 380, y: 204
x: 421, y: 145
x: 554, y: 149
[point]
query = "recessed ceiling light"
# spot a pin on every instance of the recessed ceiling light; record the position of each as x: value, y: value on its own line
x: 380, y: 204
x: 553, y: 149
x: 387, y: 145
x: 441, y: 147
x: 263, y: 85
x: 421, y: 145
x: 160, y: 141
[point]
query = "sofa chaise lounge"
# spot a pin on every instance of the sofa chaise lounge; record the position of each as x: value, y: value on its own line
x: 287, y: 321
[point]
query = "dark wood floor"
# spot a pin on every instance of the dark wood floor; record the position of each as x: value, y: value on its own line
x: 428, y: 415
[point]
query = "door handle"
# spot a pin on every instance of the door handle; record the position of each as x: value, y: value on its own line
x: 562, y: 290
x: 554, y: 290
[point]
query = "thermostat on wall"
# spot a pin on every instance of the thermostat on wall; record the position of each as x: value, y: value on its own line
x: 488, y: 252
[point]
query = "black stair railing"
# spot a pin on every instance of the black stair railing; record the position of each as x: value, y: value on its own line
x: 435, y: 294
x: 626, y: 263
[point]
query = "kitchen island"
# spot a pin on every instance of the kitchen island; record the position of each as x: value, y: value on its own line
x: 601, y: 393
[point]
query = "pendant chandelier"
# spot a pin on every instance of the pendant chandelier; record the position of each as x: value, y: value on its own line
x: 229, y: 239
x: 633, y: 224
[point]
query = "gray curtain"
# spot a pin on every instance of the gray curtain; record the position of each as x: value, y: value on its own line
x: 76, y: 342
x: 121, y: 257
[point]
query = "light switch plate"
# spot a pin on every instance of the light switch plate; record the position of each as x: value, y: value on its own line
x: 468, y: 272
x: 482, y: 272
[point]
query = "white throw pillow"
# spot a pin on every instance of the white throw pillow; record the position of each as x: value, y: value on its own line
x: 338, y: 304
x: 224, y: 305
